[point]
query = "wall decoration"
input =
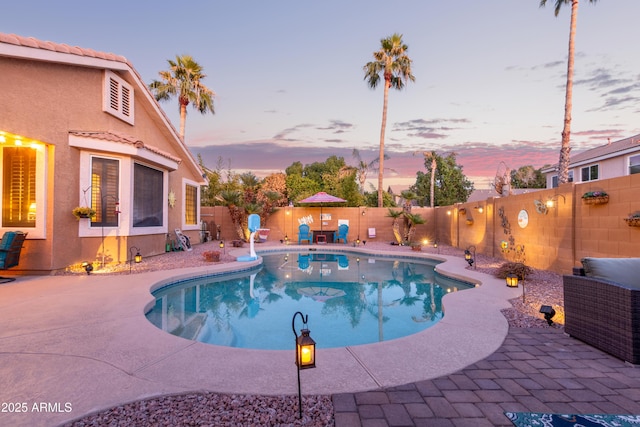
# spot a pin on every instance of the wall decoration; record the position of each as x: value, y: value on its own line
x: 523, y: 218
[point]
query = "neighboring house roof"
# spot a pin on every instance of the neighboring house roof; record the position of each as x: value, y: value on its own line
x: 13, y: 45
x: 612, y: 149
x: 121, y: 137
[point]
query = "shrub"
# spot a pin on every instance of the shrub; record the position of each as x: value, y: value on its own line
x: 517, y: 268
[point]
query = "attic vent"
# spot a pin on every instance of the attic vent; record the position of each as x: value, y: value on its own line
x: 118, y: 99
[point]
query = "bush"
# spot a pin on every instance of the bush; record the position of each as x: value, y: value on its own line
x: 517, y: 268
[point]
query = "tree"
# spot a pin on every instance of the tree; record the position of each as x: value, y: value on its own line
x: 183, y: 79
x: 528, y: 177
x: 430, y: 162
x: 395, y: 65
x: 363, y: 168
x: 565, y: 150
x: 451, y: 185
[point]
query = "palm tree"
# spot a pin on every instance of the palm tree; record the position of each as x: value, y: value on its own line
x: 363, y: 168
x: 430, y: 157
x: 565, y: 150
x: 183, y: 78
x: 395, y: 65
x: 395, y: 215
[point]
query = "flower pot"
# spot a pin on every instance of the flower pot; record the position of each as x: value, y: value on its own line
x: 596, y: 200
x: 633, y: 222
x: 416, y: 248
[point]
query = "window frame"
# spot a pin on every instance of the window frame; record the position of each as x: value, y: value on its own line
x: 183, y: 215
x: 39, y: 230
x: 630, y: 165
x: 590, y: 174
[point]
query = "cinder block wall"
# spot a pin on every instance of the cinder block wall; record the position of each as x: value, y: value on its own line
x: 555, y: 240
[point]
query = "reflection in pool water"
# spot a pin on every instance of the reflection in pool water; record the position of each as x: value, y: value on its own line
x: 350, y: 298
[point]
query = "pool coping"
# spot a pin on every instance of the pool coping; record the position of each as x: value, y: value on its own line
x: 85, y: 340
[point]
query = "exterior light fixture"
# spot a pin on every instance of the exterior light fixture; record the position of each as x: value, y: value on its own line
x: 512, y: 280
x: 286, y: 239
x: 221, y: 244
x: 305, y: 352
x: 470, y: 256
x: 548, y: 312
x: 137, y: 258
x: 88, y: 267
x: 358, y: 241
x: 479, y: 208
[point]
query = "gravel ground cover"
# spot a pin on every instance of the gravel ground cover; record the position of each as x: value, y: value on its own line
x: 212, y: 409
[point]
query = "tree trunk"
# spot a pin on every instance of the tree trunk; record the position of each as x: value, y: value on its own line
x: 433, y: 178
x: 387, y: 84
x: 183, y: 118
x: 565, y: 150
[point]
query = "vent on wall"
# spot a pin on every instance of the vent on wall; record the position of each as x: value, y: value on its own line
x: 118, y: 97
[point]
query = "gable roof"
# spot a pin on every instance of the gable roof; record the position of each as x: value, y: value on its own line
x: 602, y: 152
x: 30, y: 48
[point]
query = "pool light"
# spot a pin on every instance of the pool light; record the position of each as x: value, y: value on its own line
x: 305, y: 352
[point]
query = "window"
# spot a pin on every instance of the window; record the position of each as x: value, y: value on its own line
x: 118, y: 97
x: 105, y: 177
x: 147, y: 196
x: 191, y: 205
x: 19, y: 187
x: 554, y: 179
x: 590, y: 173
x: 23, y: 174
x: 634, y: 164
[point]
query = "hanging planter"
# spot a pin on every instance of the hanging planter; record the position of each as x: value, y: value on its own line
x: 633, y: 220
x: 595, y: 197
x: 83, y: 212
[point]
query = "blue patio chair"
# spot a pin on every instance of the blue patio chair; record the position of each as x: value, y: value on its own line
x: 304, y: 234
x: 10, y: 248
x: 342, y: 232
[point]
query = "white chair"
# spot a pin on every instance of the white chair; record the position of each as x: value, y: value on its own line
x: 372, y: 233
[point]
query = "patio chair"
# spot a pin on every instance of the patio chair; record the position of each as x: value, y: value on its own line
x: 342, y: 232
x: 372, y: 233
x: 10, y: 248
x: 304, y: 233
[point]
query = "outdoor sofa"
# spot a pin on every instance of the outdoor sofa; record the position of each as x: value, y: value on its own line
x: 602, y: 305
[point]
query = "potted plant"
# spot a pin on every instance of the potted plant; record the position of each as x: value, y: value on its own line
x: 633, y: 220
x: 416, y: 246
x: 595, y: 197
x: 211, y: 256
x: 83, y: 212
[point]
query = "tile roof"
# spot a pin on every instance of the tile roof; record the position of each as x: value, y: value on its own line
x: 123, y: 138
x: 59, y: 47
x: 608, y: 149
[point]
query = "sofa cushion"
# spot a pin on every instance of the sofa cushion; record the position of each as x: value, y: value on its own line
x: 625, y: 271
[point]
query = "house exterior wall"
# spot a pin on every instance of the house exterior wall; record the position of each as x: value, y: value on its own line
x: 44, y: 101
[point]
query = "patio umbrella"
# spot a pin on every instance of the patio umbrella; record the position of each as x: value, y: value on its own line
x: 321, y: 199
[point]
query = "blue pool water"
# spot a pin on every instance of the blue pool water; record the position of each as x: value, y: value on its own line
x: 350, y: 299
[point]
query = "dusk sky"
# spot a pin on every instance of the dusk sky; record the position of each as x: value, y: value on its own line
x: 490, y: 75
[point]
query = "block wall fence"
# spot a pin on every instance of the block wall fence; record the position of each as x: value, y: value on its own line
x: 556, y: 240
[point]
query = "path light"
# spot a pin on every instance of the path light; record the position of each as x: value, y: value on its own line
x: 548, y: 312
x: 512, y: 280
x: 88, y: 267
x: 305, y: 352
x: 470, y: 255
x: 137, y: 258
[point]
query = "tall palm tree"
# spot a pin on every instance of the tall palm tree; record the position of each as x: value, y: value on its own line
x: 565, y: 150
x: 184, y: 79
x: 395, y: 65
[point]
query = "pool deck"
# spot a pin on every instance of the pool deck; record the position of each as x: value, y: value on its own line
x: 84, y: 341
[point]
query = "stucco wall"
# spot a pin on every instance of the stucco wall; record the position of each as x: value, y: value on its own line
x: 44, y: 101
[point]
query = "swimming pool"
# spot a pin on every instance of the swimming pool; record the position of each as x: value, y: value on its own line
x: 351, y: 299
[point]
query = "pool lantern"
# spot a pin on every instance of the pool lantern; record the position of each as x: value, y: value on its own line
x: 512, y: 280
x: 305, y: 352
